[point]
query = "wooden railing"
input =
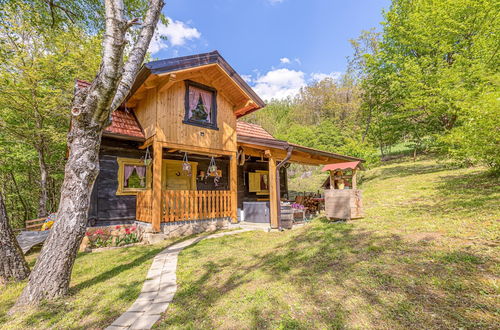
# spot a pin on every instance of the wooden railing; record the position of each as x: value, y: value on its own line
x: 35, y: 224
x: 144, y: 206
x: 184, y: 205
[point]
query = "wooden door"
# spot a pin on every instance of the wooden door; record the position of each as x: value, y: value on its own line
x: 173, y: 178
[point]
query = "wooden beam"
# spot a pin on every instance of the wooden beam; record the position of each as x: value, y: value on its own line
x: 273, y: 197
x: 233, y: 187
x: 151, y: 82
x: 157, y: 202
x: 196, y: 149
x: 147, y: 143
x: 354, y: 180
x: 167, y: 82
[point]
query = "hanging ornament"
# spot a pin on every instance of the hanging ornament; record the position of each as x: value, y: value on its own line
x: 147, y: 158
x: 186, y: 166
x: 212, y: 168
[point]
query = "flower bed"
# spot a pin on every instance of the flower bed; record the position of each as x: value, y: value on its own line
x: 113, y: 236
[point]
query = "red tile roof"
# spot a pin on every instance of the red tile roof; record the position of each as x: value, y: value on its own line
x: 123, y: 121
x: 252, y: 130
x: 341, y: 166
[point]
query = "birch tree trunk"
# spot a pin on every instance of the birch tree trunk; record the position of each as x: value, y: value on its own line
x: 13, y: 266
x: 91, y: 111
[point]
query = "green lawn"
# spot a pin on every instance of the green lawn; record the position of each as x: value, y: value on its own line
x: 104, y: 285
x: 425, y: 256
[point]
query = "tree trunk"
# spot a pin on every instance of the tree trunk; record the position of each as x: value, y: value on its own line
x: 52, y: 272
x: 12, y: 263
x: 21, y: 199
x: 90, y: 114
x: 42, y: 201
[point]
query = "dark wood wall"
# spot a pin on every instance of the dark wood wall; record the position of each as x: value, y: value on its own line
x: 106, y: 207
x: 253, y: 165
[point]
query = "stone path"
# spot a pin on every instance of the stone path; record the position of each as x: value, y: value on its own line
x: 28, y: 239
x: 159, y: 288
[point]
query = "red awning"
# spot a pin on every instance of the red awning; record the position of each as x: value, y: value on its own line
x: 340, y: 166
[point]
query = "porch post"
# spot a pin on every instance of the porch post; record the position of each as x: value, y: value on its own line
x: 273, y: 196
x: 233, y: 187
x: 354, y: 181
x: 156, y: 204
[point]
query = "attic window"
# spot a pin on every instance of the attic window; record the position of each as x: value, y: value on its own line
x: 201, y: 105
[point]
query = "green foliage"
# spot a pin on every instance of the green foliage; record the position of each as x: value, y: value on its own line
x: 325, y: 115
x: 434, y: 83
x: 37, y: 79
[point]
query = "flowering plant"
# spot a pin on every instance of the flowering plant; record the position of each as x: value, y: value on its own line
x: 297, y: 206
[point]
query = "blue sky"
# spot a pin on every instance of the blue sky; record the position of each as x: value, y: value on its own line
x: 276, y: 45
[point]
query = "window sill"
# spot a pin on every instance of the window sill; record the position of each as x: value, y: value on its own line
x: 130, y: 192
x: 194, y: 123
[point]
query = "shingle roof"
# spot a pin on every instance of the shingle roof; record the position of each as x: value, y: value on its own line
x: 252, y: 130
x: 123, y: 122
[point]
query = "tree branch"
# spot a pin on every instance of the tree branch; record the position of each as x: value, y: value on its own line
x: 137, y: 54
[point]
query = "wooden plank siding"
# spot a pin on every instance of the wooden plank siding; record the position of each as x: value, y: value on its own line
x: 144, y: 210
x: 162, y: 115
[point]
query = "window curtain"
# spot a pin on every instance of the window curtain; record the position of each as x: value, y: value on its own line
x: 206, y: 98
x: 129, y: 170
x: 194, y: 95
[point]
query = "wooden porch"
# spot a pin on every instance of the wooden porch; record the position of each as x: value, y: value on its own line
x: 185, y: 205
x: 159, y: 204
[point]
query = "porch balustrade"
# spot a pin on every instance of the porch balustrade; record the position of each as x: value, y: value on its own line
x: 185, y: 205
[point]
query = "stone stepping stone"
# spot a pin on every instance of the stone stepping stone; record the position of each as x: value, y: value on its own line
x: 159, y: 289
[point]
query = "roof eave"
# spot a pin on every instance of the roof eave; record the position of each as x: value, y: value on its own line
x: 123, y: 136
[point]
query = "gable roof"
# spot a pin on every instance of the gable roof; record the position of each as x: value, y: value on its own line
x: 193, y: 61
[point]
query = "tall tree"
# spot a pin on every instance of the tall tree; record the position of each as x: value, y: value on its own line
x: 426, y: 77
x: 12, y: 263
x: 91, y: 113
x: 37, y: 72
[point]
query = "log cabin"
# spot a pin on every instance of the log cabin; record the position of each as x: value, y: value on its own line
x: 177, y: 151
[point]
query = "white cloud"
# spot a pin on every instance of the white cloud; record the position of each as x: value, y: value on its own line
x: 273, y: 2
x: 176, y: 32
x: 282, y: 83
x: 279, y: 84
x: 284, y: 60
x: 247, y: 77
x: 318, y: 76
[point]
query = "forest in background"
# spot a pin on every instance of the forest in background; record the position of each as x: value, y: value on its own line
x: 432, y: 87
x: 429, y: 80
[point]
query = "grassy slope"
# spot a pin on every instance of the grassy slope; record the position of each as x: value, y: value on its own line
x: 425, y: 256
x: 104, y: 284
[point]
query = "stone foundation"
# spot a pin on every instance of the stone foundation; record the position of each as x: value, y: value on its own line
x: 182, y: 228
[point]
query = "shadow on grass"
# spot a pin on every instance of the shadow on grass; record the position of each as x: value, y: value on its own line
x: 396, y: 277
x: 407, y: 169
x: 472, y: 192
x: 102, y: 277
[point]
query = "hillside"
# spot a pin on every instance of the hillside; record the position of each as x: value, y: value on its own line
x: 425, y: 256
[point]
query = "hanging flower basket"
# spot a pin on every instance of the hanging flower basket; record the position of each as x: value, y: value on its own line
x: 186, y: 166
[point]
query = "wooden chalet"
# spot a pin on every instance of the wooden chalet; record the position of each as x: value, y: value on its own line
x: 177, y: 152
